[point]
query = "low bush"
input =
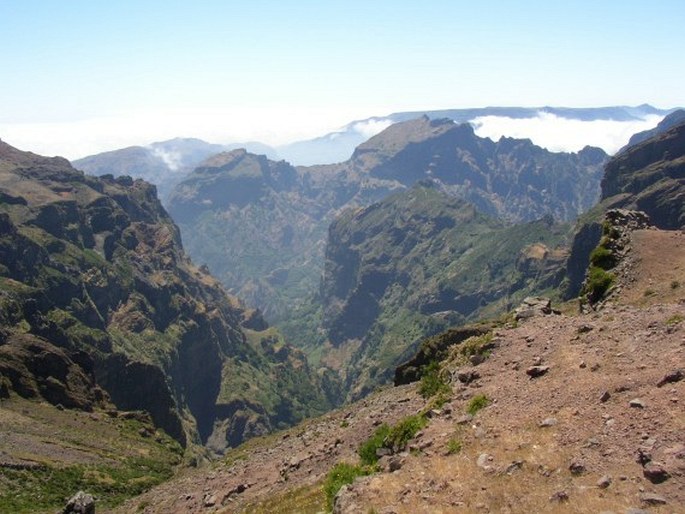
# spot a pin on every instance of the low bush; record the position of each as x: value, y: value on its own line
x: 393, y: 438
x: 341, y: 474
x: 478, y: 402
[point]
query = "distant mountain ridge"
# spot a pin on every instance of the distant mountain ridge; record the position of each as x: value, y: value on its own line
x: 261, y: 225
x: 163, y: 164
x: 338, y: 146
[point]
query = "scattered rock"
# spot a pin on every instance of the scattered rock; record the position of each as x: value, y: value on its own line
x: 533, y: 306
x: 673, y: 376
x: 637, y: 403
x: 576, y: 468
x: 643, y: 457
x: 537, y: 371
x: 467, y: 376
x: 80, y: 503
x: 513, y: 467
x: 653, y: 499
x: 585, y: 328
x: 209, y: 500
x: 559, y: 497
x: 484, y: 460
x: 604, y: 482
x: 548, y: 422
x: 395, y: 463
x: 604, y: 397
x: 466, y: 418
x: 655, y: 473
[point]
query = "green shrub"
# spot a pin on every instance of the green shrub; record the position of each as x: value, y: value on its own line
x: 393, y: 438
x: 367, y: 450
x: 478, y: 402
x: 341, y: 474
x: 598, y: 283
x: 432, y: 382
x: 602, y: 257
x: 453, y: 446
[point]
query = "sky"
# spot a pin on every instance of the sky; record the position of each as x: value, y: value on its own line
x: 83, y: 76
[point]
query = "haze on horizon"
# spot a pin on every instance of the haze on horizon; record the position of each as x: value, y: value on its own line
x: 82, y: 77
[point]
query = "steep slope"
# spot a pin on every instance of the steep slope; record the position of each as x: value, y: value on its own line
x: 98, y: 294
x: 649, y: 177
x: 414, y: 264
x: 261, y: 225
x: 600, y: 431
x: 675, y: 118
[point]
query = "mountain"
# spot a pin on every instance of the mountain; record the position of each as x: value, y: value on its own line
x: 673, y: 119
x: 100, y: 305
x: 648, y: 176
x: 415, y: 264
x: 163, y: 164
x: 338, y: 146
x: 261, y: 225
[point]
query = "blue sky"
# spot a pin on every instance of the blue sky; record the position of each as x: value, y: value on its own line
x: 91, y: 75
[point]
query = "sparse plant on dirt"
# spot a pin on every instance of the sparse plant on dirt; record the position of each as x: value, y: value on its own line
x: 453, y: 446
x: 478, y: 402
x: 393, y: 438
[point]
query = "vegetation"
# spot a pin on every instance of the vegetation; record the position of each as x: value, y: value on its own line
x: 453, y: 446
x: 341, y: 474
x: 393, y: 438
x: 433, y: 381
x: 597, y: 283
x: 478, y: 402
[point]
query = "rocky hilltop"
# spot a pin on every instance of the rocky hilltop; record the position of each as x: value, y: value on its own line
x: 100, y: 305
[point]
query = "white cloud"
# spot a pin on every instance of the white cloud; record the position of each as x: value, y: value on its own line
x: 171, y: 159
x: 562, y: 134
x: 371, y: 127
x: 76, y: 139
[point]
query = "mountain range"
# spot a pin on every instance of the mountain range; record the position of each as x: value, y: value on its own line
x: 379, y: 267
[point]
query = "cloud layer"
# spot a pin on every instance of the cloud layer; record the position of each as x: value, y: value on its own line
x: 562, y: 134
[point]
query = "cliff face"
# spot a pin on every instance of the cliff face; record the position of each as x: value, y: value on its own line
x: 416, y: 263
x: 99, y: 303
x: 649, y: 177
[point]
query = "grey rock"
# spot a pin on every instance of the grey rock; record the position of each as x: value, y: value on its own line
x: 673, y: 376
x: 80, y: 503
x: 604, y: 482
x: 466, y: 418
x: 577, y: 468
x: 655, y: 473
x: 653, y: 499
x: 604, y: 397
x: 559, y: 497
x: 637, y: 403
x: 467, y: 376
x: 548, y: 422
x: 395, y: 463
x: 537, y: 371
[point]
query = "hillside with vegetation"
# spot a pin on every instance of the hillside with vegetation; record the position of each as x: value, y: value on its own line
x: 101, y: 310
